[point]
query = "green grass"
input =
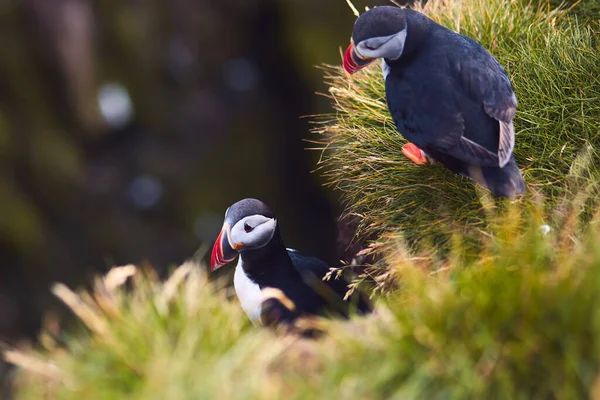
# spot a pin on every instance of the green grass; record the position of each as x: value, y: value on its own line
x: 586, y: 10
x: 519, y: 320
x: 553, y: 60
x: 162, y: 341
x: 504, y: 311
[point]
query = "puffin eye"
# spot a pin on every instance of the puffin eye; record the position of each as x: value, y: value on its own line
x: 247, y: 228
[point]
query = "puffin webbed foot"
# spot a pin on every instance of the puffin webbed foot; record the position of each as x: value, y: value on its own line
x: 416, y: 155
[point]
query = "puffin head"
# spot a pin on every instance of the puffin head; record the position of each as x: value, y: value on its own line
x: 249, y: 225
x: 378, y: 33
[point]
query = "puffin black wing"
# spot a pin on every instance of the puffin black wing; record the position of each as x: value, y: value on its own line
x: 485, y: 81
x: 432, y: 115
x: 464, y: 111
x: 312, y: 270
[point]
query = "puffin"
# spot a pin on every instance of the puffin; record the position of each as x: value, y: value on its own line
x: 276, y: 285
x: 447, y: 95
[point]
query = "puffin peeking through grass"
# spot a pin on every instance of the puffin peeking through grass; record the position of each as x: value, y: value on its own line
x: 274, y: 284
x: 448, y: 96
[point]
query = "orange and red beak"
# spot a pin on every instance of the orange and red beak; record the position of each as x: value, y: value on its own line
x: 222, y: 252
x: 353, y: 62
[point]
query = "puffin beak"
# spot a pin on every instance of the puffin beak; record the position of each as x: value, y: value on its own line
x: 222, y: 252
x: 353, y: 61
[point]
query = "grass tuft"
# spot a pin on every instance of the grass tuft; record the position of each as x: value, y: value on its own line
x: 519, y: 319
x: 552, y: 59
x: 153, y: 341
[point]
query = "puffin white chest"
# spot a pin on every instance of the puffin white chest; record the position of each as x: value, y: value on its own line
x: 248, y: 293
x: 385, y: 68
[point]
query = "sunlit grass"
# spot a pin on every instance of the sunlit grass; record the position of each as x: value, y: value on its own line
x: 177, y: 339
x: 553, y: 60
x: 507, y: 308
x: 520, y: 319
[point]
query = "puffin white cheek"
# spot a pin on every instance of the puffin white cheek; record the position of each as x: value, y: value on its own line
x: 262, y: 234
x: 252, y: 232
x: 390, y: 47
x: 393, y: 48
x: 366, y: 51
x: 269, y: 227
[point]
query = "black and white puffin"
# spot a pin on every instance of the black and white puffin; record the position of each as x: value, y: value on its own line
x: 271, y: 278
x: 448, y: 96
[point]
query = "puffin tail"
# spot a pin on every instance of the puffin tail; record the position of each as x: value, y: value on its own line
x: 502, y: 182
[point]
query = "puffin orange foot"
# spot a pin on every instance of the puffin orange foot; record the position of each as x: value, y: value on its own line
x: 414, y: 154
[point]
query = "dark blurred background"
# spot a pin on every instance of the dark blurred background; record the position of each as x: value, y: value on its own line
x: 127, y: 127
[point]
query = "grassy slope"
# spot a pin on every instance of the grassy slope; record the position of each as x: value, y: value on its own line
x: 518, y: 318
x: 552, y: 60
x: 520, y: 321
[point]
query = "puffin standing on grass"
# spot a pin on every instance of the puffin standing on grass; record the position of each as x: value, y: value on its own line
x: 448, y: 96
x: 275, y: 284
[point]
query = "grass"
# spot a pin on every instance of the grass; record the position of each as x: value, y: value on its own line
x: 156, y: 340
x: 510, y: 309
x: 519, y: 320
x: 587, y: 10
x: 552, y: 59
